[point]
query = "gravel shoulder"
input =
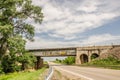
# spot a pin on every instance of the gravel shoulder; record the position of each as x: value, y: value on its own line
x: 43, y: 75
x: 61, y: 75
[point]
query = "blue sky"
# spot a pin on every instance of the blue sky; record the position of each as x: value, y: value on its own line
x: 69, y: 23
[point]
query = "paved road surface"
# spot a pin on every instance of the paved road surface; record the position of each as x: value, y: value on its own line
x: 89, y: 73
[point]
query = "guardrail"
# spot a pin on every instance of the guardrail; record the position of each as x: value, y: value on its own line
x: 50, y: 73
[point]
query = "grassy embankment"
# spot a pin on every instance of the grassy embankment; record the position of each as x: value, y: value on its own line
x: 34, y: 75
x: 109, y: 62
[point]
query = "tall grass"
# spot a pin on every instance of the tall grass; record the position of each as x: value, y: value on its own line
x: 23, y: 75
x: 106, y: 61
x: 109, y: 62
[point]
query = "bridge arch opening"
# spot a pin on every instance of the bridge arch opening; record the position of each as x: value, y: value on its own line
x: 94, y: 56
x: 83, y: 58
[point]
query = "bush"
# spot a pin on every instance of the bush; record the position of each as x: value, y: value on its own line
x: 27, y: 60
x: 69, y: 60
x: 106, y: 61
x: 17, y: 63
x: 8, y: 64
x: 59, y: 61
x: 1, y: 70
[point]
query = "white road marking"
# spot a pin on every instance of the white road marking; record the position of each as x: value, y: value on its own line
x: 74, y: 73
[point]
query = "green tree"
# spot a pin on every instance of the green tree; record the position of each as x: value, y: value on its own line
x: 69, y: 60
x: 9, y: 64
x: 14, y: 27
x: 17, y: 55
x: 27, y: 60
x: 13, y: 16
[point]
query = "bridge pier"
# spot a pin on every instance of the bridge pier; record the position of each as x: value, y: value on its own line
x: 82, y: 56
x: 89, y: 55
x: 39, y: 63
x: 77, y: 61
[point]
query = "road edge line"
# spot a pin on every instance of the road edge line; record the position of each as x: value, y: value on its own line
x: 76, y: 74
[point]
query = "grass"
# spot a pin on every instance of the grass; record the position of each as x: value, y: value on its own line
x: 109, y: 62
x: 57, y: 62
x: 23, y: 75
x: 45, y: 62
x: 117, y: 67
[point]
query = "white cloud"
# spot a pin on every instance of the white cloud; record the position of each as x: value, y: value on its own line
x: 51, y: 12
x: 88, y: 6
x: 67, y: 18
x: 41, y: 3
x: 64, y: 20
x: 46, y: 43
x: 91, y: 40
x: 100, y: 38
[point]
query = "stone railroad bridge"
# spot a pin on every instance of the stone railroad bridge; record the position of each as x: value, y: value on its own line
x: 82, y: 54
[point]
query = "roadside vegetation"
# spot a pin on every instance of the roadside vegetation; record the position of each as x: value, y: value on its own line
x: 14, y: 32
x: 69, y: 60
x: 17, y: 63
x: 109, y: 62
x: 25, y: 75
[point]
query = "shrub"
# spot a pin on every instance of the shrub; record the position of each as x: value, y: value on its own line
x: 106, y: 61
x: 69, y: 60
x: 1, y: 70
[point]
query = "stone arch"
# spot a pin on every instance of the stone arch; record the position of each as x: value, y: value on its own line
x: 94, y: 55
x: 83, y: 58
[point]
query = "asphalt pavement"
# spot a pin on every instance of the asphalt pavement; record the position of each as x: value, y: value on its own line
x: 88, y: 73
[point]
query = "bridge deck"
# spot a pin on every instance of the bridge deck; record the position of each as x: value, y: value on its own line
x: 67, y: 51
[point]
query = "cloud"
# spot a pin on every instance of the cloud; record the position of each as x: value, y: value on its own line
x: 94, y: 39
x: 43, y: 43
x: 63, y: 20
x: 88, y: 6
x: 66, y: 19
x: 91, y: 40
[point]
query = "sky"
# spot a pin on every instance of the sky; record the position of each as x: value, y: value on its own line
x: 76, y: 23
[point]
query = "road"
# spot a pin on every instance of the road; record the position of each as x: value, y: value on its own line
x: 88, y: 73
